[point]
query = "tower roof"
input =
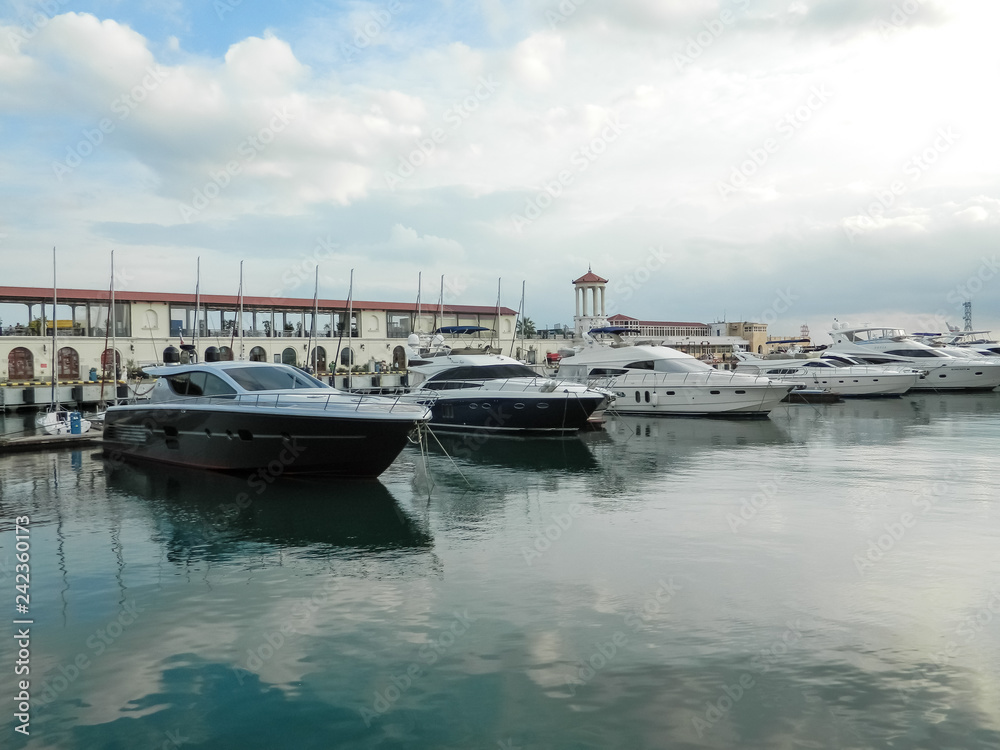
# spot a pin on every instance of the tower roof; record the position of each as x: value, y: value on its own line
x: 590, y: 278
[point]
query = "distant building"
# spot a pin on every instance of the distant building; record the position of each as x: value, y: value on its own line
x: 713, y: 342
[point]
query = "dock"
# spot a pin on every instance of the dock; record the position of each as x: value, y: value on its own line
x: 34, y: 443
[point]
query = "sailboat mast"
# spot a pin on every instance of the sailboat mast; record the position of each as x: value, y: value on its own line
x: 350, y: 331
x: 413, y: 326
x: 241, y: 312
x: 54, y: 400
x: 441, y: 304
x: 312, y: 329
x: 197, y: 304
x: 114, y: 332
x: 497, y: 325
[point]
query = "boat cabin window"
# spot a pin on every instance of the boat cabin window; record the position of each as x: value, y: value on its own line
x: 484, y: 372
x: 673, y: 364
x: 272, y: 378
x: 606, y: 372
x: 817, y: 364
x: 199, y: 384
x: 915, y: 353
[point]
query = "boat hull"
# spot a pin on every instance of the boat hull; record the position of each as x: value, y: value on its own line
x: 710, y: 400
x: 524, y: 414
x: 263, y: 444
x: 960, y: 378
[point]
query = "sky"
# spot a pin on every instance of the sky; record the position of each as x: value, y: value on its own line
x: 782, y: 161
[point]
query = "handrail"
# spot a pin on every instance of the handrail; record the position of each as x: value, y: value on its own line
x: 317, y: 401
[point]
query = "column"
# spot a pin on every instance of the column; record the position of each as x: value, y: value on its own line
x: 576, y: 293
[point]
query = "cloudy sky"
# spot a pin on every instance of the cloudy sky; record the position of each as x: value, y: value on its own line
x: 785, y: 160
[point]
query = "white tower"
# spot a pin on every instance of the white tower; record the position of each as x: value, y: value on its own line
x: 589, y: 290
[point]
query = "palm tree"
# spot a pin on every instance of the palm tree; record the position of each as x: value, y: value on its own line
x: 526, y: 328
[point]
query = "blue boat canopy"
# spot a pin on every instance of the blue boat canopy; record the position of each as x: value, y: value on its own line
x: 613, y: 329
x: 461, y: 329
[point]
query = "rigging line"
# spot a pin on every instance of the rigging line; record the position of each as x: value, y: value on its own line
x: 445, y: 450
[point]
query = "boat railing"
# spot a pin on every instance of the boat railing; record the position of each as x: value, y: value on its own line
x: 516, y: 384
x: 672, y: 379
x: 320, y: 402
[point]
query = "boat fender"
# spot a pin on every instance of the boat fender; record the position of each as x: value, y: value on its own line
x: 548, y: 386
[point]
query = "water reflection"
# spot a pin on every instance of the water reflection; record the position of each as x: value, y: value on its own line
x: 518, y: 454
x: 209, y: 513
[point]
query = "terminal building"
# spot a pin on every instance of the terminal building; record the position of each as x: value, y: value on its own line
x: 271, y: 330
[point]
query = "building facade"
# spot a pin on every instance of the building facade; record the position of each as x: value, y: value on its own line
x: 93, y: 337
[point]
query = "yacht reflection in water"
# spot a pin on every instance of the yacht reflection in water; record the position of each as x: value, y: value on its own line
x: 210, y: 513
x: 517, y: 454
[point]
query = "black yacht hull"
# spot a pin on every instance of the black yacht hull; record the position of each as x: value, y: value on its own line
x: 520, y: 415
x: 264, y: 444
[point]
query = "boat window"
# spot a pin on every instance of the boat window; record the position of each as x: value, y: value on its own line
x: 644, y: 365
x: 816, y: 364
x: 607, y: 372
x: 915, y: 353
x: 272, y: 378
x: 484, y: 372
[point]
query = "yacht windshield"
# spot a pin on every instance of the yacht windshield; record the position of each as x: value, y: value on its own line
x: 272, y: 378
x: 915, y: 353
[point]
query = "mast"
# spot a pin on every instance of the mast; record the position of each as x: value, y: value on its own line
x: 241, y: 312
x: 441, y: 304
x: 497, y: 325
x: 197, y: 304
x: 413, y: 326
x: 54, y: 399
x: 518, y: 317
x: 350, y: 332
x: 114, y: 333
x: 312, y: 329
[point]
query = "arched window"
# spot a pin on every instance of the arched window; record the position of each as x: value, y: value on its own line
x: 347, y: 356
x: 20, y: 364
x: 288, y: 357
x: 68, y: 361
x: 111, y: 364
x: 372, y: 322
x: 319, y: 359
x: 226, y: 353
x: 399, y: 358
x: 257, y: 354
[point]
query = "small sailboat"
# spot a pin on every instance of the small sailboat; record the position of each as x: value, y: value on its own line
x: 56, y: 420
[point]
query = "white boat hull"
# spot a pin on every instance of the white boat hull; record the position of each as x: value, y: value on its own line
x: 653, y: 393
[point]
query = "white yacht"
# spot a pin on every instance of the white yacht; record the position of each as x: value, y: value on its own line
x: 846, y: 379
x: 879, y: 345
x: 480, y: 390
x: 649, y: 378
x: 979, y: 342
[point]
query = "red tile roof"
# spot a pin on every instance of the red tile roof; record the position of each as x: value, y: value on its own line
x: 590, y: 278
x: 42, y: 294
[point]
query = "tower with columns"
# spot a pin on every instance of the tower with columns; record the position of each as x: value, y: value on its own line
x: 590, y: 313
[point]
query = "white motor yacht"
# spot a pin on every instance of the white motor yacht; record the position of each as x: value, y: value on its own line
x: 880, y: 345
x: 649, y: 378
x: 852, y: 380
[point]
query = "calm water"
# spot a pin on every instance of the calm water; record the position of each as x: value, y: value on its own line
x: 826, y: 578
